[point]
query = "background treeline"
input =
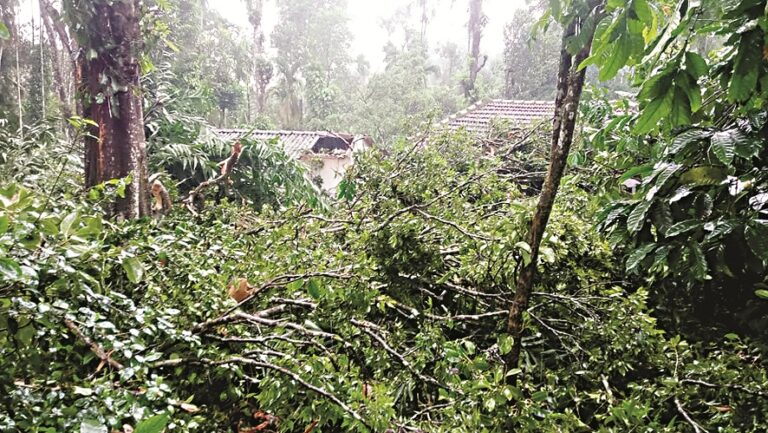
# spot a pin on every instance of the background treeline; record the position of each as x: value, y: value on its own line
x: 302, y: 77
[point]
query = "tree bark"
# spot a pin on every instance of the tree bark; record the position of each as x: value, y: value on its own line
x: 569, y: 88
x: 116, y: 148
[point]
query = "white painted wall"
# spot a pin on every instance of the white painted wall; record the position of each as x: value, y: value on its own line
x: 330, y: 168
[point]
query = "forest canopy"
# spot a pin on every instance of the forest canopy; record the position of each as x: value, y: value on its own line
x: 603, y: 268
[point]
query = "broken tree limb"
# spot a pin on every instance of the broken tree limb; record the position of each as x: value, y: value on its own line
x: 226, y: 170
x: 273, y: 367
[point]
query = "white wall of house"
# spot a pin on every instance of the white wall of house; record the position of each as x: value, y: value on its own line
x: 328, y: 167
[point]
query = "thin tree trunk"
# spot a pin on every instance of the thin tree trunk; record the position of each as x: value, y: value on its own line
x: 70, y: 49
x: 58, y: 25
x: 569, y: 88
x: 42, y: 67
x: 262, y: 68
x: 475, y: 28
x: 117, y: 147
x: 8, y: 18
x: 18, y: 85
x: 58, y: 76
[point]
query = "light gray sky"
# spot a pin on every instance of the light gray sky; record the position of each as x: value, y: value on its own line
x: 448, y: 23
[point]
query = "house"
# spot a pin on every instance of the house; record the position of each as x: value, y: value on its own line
x: 327, y: 155
x: 480, y: 118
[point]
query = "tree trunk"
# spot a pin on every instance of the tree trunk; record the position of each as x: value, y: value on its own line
x: 116, y: 148
x: 262, y: 68
x: 58, y: 76
x: 58, y: 24
x: 18, y: 82
x: 475, y: 27
x: 72, y: 71
x: 569, y: 88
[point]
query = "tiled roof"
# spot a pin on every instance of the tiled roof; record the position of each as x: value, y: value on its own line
x: 295, y: 143
x: 477, y: 118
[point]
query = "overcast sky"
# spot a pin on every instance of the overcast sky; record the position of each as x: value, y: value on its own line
x: 448, y: 23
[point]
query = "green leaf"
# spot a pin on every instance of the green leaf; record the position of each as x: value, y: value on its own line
x: 4, y: 32
x: 636, y: 258
x: 155, y: 424
x: 757, y: 239
x: 4, y: 223
x: 295, y: 285
x: 636, y: 219
x: 723, y: 146
x: 662, y: 216
x: 314, y: 288
x: 617, y: 59
x: 747, y: 65
x: 698, y: 262
x: 67, y: 223
x: 705, y: 175
x: 696, y: 65
x: 722, y: 228
x: 680, y: 114
x: 525, y: 251
x: 134, y: 269
x: 641, y: 170
x: 655, y: 86
x: 505, y: 342
x: 763, y: 294
x: 92, y: 426
x: 682, y: 140
x: 9, y: 269
x: 643, y: 11
x: 690, y: 87
x: 653, y: 112
x: 683, y: 227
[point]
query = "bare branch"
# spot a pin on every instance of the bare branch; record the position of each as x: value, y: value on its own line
x: 363, y: 326
x: 740, y: 388
x: 696, y: 426
x: 95, y: 347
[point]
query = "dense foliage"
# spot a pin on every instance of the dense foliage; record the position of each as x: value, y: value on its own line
x: 389, y: 314
x: 274, y: 307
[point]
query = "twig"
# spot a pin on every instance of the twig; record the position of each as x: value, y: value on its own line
x: 430, y: 409
x: 286, y: 279
x: 364, y: 327
x: 730, y: 386
x: 467, y: 317
x: 229, y: 318
x: 696, y: 426
x: 303, y: 383
x: 268, y: 366
x: 463, y: 231
x: 95, y: 347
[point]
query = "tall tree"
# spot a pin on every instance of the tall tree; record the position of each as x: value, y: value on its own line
x: 8, y: 63
x: 47, y: 12
x: 262, y: 67
x: 109, y: 72
x: 477, y: 21
x: 312, y: 41
x: 579, y: 23
x: 530, y: 59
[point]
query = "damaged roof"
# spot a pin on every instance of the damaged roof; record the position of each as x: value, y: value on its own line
x: 478, y: 118
x: 295, y: 143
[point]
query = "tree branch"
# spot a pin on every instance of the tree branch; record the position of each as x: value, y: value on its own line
x: 95, y: 347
